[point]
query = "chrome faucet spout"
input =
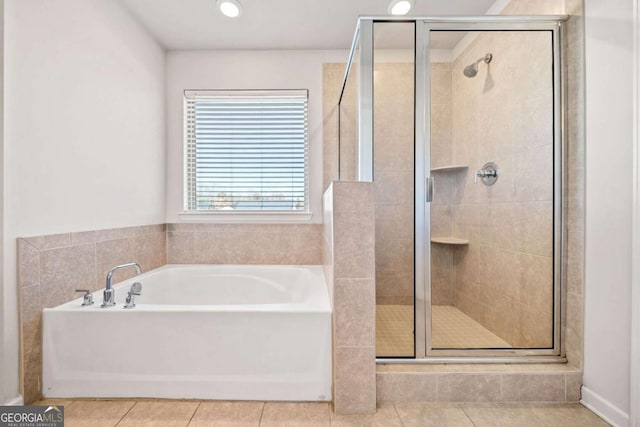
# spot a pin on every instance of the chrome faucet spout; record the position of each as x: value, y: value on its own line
x: 109, y: 294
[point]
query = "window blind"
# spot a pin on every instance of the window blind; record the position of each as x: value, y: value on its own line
x: 246, y: 151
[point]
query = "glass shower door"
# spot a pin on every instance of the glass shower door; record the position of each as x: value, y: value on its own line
x: 487, y: 257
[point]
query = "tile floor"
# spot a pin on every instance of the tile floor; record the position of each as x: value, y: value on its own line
x: 451, y: 329
x: 394, y: 330
x: 170, y: 413
x: 454, y: 329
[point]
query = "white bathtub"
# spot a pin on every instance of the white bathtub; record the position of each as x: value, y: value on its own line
x: 205, y: 331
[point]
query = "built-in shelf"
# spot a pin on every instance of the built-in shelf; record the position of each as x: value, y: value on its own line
x: 449, y: 241
x: 452, y: 168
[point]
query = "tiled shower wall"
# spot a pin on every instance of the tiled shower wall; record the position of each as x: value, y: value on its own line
x: 442, y: 205
x: 393, y: 181
x: 532, y: 256
x: 504, y: 278
x: 51, y: 268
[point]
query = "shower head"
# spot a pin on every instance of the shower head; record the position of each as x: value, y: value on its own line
x: 471, y: 71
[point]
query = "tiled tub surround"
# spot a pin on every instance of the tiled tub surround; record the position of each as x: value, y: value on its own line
x: 200, y: 243
x: 349, y: 263
x: 51, y: 268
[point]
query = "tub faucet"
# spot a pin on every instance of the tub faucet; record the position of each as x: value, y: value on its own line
x: 109, y: 294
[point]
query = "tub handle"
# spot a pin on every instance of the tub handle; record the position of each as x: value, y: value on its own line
x: 87, y: 298
x: 135, y: 290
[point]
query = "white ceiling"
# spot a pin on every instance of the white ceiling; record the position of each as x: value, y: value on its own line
x: 275, y: 24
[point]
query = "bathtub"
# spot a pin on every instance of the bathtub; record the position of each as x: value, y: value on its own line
x: 199, y: 331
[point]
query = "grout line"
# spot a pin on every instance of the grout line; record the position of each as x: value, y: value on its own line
x: 194, y: 413
x: 135, y: 402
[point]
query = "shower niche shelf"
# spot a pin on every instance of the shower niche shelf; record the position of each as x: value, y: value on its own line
x: 455, y: 241
x: 451, y: 168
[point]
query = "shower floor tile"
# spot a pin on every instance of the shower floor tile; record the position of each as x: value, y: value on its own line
x: 394, y: 330
x: 451, y: 329
x: 454, y: 329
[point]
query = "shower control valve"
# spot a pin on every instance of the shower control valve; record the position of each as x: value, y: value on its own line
x: 488, y: 174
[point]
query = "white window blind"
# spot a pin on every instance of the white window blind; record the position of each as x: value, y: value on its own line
x: 246, y: 151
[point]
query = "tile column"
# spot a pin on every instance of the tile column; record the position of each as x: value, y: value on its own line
x: 349, y: 211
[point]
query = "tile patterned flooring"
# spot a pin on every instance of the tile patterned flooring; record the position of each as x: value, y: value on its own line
x: 451, y: 329
x: 454, y: 329
x: 179, y: 413
x: 394, y: 330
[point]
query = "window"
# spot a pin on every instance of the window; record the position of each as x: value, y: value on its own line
x: 246, y: 151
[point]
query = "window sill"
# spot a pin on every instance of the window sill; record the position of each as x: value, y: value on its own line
x: 246, y: 217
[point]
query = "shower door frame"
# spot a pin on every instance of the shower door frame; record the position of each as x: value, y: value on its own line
x: 424, y: 351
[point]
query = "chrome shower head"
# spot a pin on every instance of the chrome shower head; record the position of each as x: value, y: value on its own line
x: 471, y: 71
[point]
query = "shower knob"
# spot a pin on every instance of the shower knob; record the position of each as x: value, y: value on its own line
x: 488, y: 174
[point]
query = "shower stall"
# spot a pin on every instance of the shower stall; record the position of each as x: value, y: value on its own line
x: 459, y: 124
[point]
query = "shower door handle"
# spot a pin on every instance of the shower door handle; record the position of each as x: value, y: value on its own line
x: 429, y: 189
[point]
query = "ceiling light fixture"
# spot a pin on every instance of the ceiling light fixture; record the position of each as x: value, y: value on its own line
x: 230, y: 8
x: 400, y: 7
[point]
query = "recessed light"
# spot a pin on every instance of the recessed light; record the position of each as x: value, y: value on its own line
x: 400, y: 7
x: 230, y: 8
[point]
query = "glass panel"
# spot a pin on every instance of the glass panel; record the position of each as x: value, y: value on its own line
x: 393, y: 138
x: 492, y: 239
x: 348, y: 124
